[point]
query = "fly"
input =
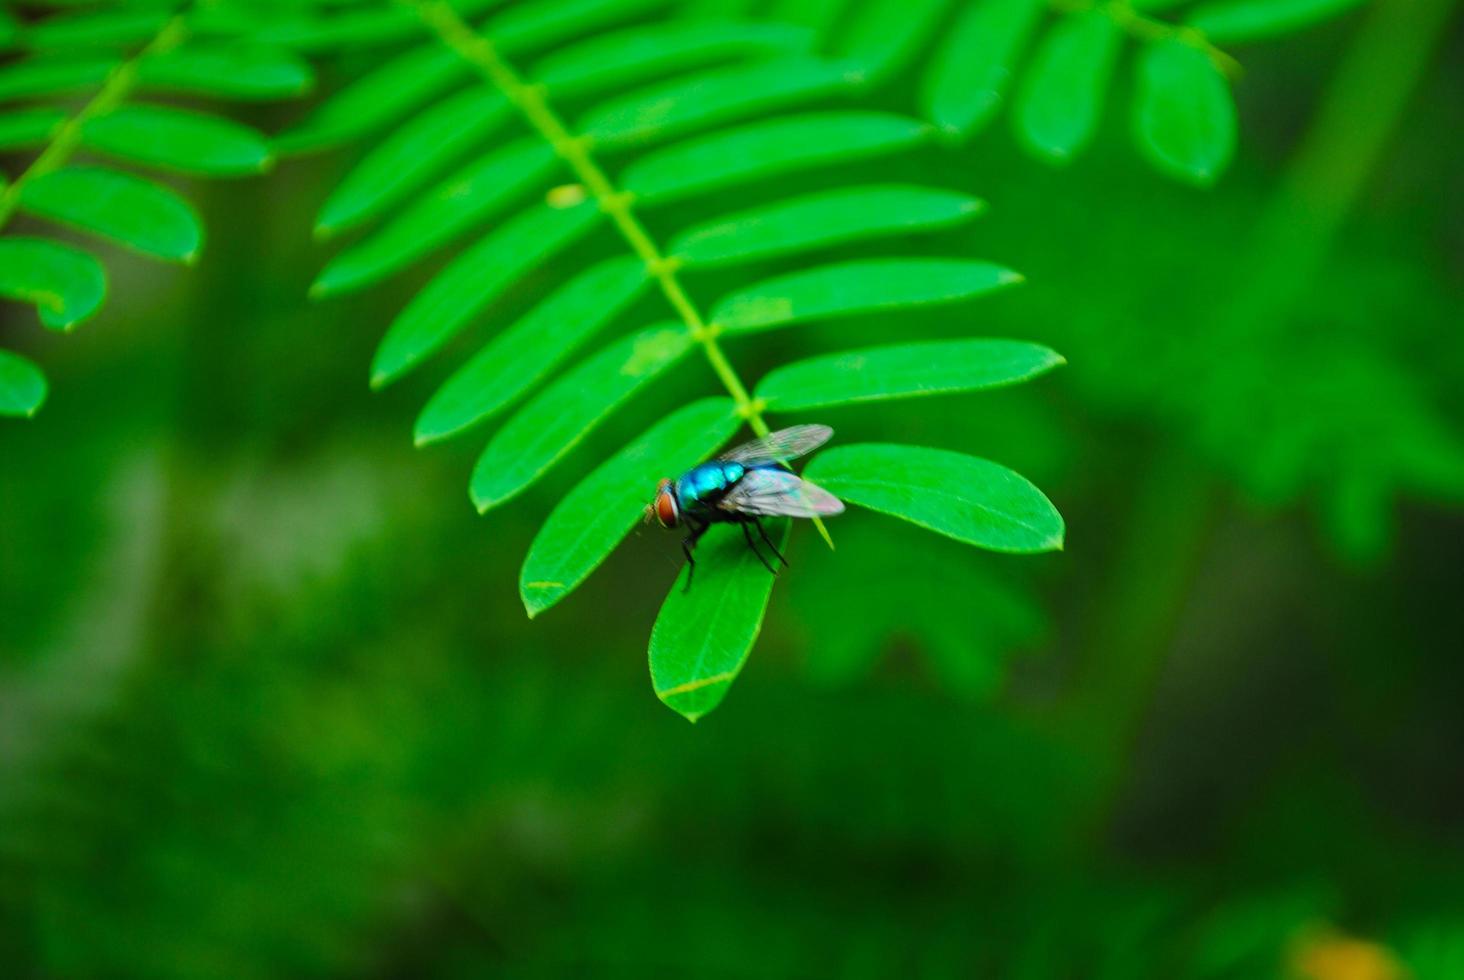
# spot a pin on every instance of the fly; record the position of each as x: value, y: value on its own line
x: 742, y: 486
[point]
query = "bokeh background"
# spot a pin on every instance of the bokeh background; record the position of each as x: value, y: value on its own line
x: 269, y: 705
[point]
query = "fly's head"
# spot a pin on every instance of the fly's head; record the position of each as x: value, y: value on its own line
x: 663, y: 508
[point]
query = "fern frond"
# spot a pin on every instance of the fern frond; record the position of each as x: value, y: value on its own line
x: 70, y: 54
x: 713, y: 87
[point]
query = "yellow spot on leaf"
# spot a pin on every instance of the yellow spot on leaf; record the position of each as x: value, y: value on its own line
x: 696, y: 685
x: 565, y: 196
x: 653, y: 350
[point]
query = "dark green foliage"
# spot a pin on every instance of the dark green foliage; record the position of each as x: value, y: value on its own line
x: 102, y: 60
x: 269, y: 706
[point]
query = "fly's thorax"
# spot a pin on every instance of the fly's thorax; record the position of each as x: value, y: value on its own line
x: 707, y: 481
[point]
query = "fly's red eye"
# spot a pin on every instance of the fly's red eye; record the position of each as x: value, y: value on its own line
x: 666, y: 508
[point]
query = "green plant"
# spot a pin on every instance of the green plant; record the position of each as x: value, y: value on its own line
x: 702, y: 636
x: 1184, y: 119
x: 107, y: 57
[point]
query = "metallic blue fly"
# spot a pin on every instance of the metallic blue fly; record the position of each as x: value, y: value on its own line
x: 743, y: 485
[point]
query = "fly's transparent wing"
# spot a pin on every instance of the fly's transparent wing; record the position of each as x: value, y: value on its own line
x: 779, y: 493
x: 780, y: 446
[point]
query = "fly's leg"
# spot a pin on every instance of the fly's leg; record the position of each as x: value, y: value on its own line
x: 768, y: 541
x: 688, y: 543
x: 747, y: 535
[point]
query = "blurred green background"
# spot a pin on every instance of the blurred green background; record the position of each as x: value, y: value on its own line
x: 269, y: 705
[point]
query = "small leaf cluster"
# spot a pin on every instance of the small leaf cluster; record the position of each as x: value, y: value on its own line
x: 684, y: 109
x: 84, y: 83
x: 1055, y: 62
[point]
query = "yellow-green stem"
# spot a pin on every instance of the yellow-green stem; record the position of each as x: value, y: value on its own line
x: 1146, y: 28
x: 119, y: 84
x: 531, y: 100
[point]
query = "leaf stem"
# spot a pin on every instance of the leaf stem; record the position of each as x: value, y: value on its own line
x: 117, y: 87
x: 532, y: 101
x: 1150, y: 29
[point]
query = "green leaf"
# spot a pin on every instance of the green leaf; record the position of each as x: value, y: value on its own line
x: 67, y: 32
x: 472, y: 280
x: 524, y: 354
x: 820, y: 16
x: 411, y: 155
x: 971, y: 71
x: 66, y: 284
x: 129, y: 210
x: 378, y: 98
x: 767, y: 149
x: 1062, y: 93
x: 188, y: 142
x: 466, y: 199
x: 54, y: 75
x: 857, y: 287
x: 647, y: 51
x: 969, y: 499
x: 304, y: 30
x: 22, y: 386
x: 1234, y: 21
x: 228, y: 71
x: 833, y: 217
x: 555, y: 420
x: 884, y: 35
x: 343, y: 31
x: 593, y: 518
x: 904, y: 371
x: 726, y: 93
x: 29, y: 127
x: 1184, y: 116
x: 534, y: 25
x: 703, y: 634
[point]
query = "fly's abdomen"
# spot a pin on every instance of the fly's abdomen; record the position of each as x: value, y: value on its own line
x: 705, y: 484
